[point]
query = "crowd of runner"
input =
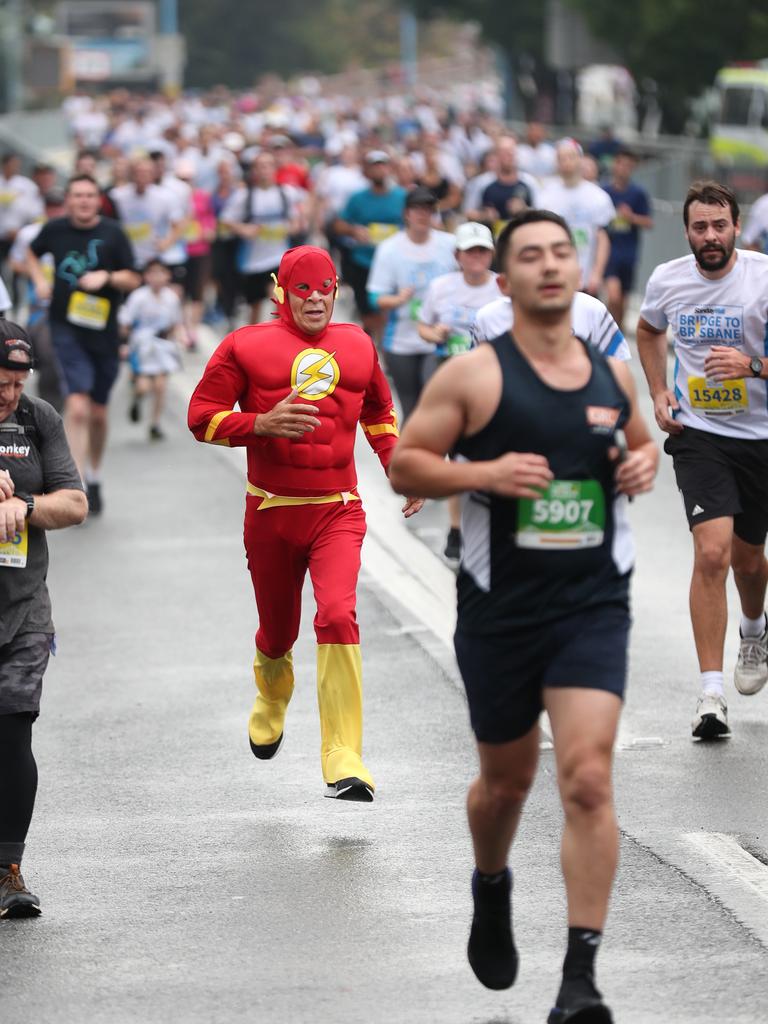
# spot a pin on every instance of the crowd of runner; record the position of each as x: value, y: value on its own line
x: 449, y: 232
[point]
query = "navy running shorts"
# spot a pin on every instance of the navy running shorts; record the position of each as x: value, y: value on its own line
x: 506, y: 673
x: 85, y: 370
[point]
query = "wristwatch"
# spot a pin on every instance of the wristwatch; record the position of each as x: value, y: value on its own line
x: 29, y: 501
x: 756, y: 366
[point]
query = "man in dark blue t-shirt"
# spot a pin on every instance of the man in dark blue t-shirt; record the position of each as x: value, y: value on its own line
x: 633, y: 212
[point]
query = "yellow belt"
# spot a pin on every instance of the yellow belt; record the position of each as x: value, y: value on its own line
x: 282, y: 500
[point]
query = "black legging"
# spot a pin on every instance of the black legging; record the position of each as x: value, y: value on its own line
x: 18, y: 785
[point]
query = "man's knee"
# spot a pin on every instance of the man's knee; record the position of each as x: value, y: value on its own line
x: 78, y: 408
x: 506, y: 792
x: 749, y: 560
x: 585, y: 782
x: 712, y: 556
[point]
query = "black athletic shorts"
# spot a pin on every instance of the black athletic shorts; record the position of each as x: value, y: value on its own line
x: 257, y: 287
x: 357, y: 279
x: 505, y: 673
x: 722, y: 476
x: 23, y: 662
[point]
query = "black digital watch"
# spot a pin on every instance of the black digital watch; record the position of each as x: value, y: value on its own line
x: 29, y: 500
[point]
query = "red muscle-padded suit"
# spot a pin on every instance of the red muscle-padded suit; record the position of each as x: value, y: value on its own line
x: 302, y: 510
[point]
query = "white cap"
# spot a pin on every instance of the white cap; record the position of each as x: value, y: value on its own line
x: 473, y: 234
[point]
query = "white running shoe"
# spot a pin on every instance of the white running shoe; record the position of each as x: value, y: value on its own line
x: 751, y: 672
x: 711, y: 719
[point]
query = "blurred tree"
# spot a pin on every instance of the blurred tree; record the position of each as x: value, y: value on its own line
x: 679, y: 43
x: 236, y: 43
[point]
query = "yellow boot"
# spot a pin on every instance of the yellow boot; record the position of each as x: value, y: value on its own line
x: 340, y: 699
x: 274, y: 681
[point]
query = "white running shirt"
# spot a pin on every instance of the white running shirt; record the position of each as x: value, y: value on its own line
x: 730, y: 311
x: 590, y: 320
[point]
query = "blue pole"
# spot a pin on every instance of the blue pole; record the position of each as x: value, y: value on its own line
x: 409, y: 46
x: 169, y: 17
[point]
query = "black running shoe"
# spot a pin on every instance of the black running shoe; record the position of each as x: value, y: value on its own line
x: 452, y: 549
x: 266, y: 751
x: 350, y: 789
x: 579, y: 1002
x: 15, y: 898
x: 95, y: 504
x: 134, y: 410
x: 156, y: 434
x: 491, y: 949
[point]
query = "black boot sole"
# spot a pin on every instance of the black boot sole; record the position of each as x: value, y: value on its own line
x: 266, y: 751
x: 353, y: 790
x: 599, y: 1014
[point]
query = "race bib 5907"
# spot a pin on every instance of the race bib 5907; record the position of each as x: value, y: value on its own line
x: 569, y: 514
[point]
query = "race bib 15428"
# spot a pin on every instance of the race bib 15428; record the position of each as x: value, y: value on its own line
x: 718, y: 398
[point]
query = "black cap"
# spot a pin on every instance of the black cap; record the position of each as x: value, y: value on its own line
x: 16, y: 354
x: 420, y: 196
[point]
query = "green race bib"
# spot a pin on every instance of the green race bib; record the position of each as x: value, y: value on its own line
x: 569, y: 514
x: 456, y: 344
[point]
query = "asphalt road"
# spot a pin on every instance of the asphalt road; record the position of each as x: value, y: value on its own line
x: 182, y: 881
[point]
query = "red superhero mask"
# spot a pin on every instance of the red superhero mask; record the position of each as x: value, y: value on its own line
x: 308, y: 266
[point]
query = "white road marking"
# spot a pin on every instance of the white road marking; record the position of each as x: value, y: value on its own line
x: 724, y: 851
x: 721, y: 867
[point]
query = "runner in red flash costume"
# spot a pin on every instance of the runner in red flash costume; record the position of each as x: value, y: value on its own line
x: 302, y: 507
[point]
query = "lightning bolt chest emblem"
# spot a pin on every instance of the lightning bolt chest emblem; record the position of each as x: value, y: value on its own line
x: 315, y: 373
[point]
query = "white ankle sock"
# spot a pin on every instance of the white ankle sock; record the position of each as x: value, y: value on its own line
x: 712, y: 682
x: 753, y: 627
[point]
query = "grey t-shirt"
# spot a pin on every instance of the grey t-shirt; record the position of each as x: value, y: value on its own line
x: 38, y: 465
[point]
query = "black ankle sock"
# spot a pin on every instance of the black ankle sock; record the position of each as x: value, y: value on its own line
x: 494, y: 879
x: 579, y: 965
x: 583, y: 944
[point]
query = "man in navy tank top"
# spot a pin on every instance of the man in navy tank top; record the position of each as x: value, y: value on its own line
x: 548, y: 447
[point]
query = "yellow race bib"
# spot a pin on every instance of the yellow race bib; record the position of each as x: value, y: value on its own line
x: 718, y: 398
x: 379, y: 232
x: 139, y: 231
x: 13, y: 553
x: 273, y: 232
x: 88, y: 311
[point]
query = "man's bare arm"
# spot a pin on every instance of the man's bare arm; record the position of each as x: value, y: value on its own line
x: 652, y: 348
x: 419, y: 465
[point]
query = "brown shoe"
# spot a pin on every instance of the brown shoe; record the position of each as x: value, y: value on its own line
x: 15, y: 898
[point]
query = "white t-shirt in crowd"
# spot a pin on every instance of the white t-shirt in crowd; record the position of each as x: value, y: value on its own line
x: 399, y: 263
x: 272, y: 209
x: 732, y: 311
x: 540, y: 161
x: 590, y: 321
x: 146, y: 217
x: 5, y: 299
x: 337, y: 183
x: 586, y: 208
x: 450, y: 300
x: 20, y: 203
x: 145, y: 310
x: 755, y: 231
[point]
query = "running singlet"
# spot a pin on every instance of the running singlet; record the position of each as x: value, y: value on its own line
x: 528, y: 561
x: 730, y: 311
